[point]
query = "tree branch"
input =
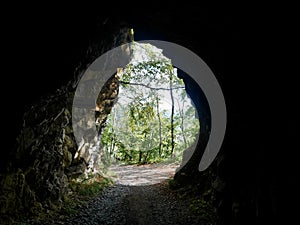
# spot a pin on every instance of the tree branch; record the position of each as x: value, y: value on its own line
x: 152, y: 88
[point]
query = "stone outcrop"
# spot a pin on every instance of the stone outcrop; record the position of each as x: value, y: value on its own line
x: 47, y: 154
x: 45, y: 149
x: 89, y: 129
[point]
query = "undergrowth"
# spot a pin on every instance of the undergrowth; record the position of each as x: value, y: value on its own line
x: 82, y: 190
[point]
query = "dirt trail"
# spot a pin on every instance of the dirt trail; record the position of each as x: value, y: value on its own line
x: 133, y: 175
x: 140, y: 196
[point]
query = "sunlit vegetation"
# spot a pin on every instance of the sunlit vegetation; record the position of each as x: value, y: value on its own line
x: 84, y: 189
x: 153, y: 119
x: 89, y: 186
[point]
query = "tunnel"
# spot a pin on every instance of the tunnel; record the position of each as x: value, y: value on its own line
x: 251, y: 181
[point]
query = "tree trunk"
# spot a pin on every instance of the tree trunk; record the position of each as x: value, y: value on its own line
x: 172, y: 113
x: 112, y: 146
x: 140, y: 156
x: 159, y: 123
x: 113, y: 139
x: 181, y: 124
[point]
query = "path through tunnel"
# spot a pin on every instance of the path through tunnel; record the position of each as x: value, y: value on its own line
x: 149, y: 131
x: 133, y: 109
x: 147, y: 112
x: 252, y: 181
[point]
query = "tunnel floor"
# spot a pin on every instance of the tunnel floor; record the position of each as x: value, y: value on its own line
x: 141, y: 195
x: 137, y: 175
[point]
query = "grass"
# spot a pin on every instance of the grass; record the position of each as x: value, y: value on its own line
x: 83, y: 190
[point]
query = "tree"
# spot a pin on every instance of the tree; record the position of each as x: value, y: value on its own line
x: 159, y: 126
x: 141, y: 128
x: 172, y: 109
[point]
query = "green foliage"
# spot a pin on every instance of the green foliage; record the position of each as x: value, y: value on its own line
x: 90, y: 189
x: 151, y: 71
x: 139, y: 130
x: 83, y: 189
x: 90, y: 186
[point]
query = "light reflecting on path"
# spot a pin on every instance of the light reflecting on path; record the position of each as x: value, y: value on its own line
x: 136, y: 175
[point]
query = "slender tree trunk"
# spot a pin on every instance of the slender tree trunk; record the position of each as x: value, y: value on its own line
x: 140, y: 156
x: 159, y: 123
x: 172, y: 113
x: 181, y: 124
x: 112, y: 147
x: 113, y: 143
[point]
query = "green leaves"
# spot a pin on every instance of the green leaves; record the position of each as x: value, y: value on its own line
x: 140, y: 128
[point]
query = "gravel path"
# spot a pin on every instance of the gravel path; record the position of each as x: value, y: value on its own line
x: 132, y: 205
x: 139, y: 197
x: 133, y: 175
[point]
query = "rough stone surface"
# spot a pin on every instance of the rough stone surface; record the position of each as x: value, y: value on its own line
x: 90, y: 143
x: 47, y: 155
x: 45, y: 148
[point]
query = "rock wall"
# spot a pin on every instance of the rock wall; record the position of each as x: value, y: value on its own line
x: 89, y: 129
x: 46, y: 155
x: 45, y: 150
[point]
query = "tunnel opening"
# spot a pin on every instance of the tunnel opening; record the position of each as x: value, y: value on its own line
x: 218, y: 40
x: 149, y: 99
x: 147, y: 117
x: 133, y: 68
x: 128, y: 107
